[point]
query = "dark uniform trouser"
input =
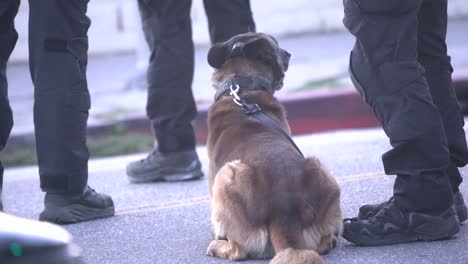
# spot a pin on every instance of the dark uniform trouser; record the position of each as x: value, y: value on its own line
x: 8, y: 37
x: 168, y: 31
x: 58, y: 46
x: 400, y: 66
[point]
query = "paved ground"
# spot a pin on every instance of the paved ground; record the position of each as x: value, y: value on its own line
x: 117, y: 91
x: 169, y: 222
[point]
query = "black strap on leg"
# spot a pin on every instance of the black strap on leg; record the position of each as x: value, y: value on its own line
x: 271, y: 123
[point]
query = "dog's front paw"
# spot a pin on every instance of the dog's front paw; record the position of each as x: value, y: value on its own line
x: 327, y: 243
x: 216, y: 247
x: 227, y: 250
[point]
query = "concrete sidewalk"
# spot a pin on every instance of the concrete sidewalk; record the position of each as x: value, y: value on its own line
x: 169, y: 222
x: 118, y: 92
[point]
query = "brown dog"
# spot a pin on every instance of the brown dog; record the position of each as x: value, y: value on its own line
x: 267, y: 200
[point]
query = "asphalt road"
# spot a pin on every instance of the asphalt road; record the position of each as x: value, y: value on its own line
x: 169, y: 222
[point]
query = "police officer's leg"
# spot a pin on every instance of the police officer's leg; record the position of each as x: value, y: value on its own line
x: 8, y: 37
x: 170, y: 100
x: 384, y: 62
x: 385, y: 69
x: 58, y: 45
x: 227, y: 18
x: 432, y: 50
x: 170, y: 106
x: 432, y: 55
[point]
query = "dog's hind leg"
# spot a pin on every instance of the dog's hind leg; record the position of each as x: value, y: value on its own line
x: 236, y: 236
x: 332, y: 226
x: 327, y: 225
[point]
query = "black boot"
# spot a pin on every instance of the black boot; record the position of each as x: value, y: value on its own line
x: 391, y: 225
x: 61, y: 208
x: 176, y: 166
x: 369, y: 210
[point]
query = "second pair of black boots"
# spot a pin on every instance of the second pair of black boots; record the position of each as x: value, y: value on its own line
x: 386, y: 223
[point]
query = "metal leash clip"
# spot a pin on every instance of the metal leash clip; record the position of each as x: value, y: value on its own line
x: 234, y: 94
x: 248, y: 108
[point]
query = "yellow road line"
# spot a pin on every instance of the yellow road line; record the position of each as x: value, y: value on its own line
x: 361, y: 177
x: 167, y: 205
x: 205, y: 199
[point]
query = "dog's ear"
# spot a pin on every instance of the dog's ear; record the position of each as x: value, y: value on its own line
x: 218, y: 55
x: 284, y: 56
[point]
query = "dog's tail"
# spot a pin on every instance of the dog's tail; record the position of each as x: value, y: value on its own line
x: 285, y: 237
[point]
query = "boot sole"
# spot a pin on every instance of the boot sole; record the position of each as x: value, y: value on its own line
x: 401, y: 239
x: 74, y: 213
x: 171, y: 176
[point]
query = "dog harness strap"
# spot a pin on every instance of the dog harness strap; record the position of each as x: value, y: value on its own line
x: 233, y: 87
x: 272, y: 123
x: 250, y: 83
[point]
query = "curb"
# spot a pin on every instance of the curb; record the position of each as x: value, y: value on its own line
x: 315, y: 111
x: 308, y: 112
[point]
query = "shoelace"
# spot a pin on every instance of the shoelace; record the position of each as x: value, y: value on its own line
x: 382, y: 214
x: 149, y: 157
x: 90, y: 191
x: 385, y: 213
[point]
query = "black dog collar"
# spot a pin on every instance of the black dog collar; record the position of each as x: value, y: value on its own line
x: 246, y: 83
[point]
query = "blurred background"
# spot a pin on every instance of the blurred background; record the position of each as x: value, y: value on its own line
x: 115, y: 23
x: 317, y: 93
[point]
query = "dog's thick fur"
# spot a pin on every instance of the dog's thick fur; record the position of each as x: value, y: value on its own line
x: 266, y: 199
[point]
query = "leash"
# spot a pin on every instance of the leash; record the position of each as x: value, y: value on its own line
x: 255, y: 111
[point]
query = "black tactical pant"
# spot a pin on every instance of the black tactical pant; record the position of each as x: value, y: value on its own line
x: 58, y: 47
x: 400, y: 66
x: 168, y: 31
